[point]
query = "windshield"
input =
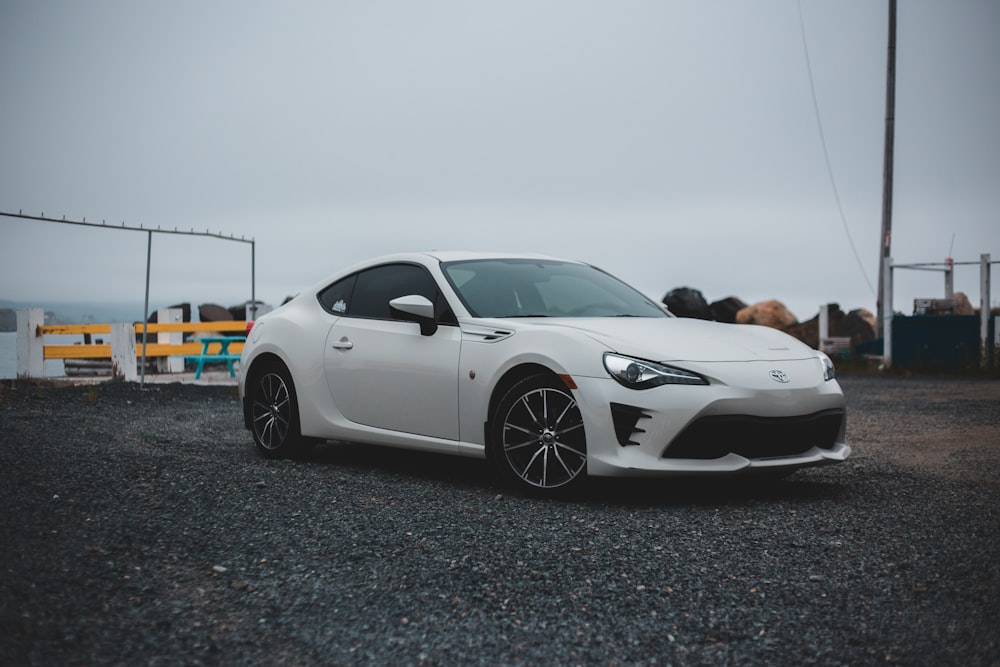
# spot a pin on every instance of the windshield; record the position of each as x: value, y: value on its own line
x: 544, y: 288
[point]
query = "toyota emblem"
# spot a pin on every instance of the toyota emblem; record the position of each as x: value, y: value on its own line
x: 779, y: 376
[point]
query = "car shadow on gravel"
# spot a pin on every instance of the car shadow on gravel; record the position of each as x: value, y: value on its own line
x: 381, y: 461
x: 477, y: 475
x: 800, y: 488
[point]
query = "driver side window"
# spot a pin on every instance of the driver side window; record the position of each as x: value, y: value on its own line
x: 375, y: 288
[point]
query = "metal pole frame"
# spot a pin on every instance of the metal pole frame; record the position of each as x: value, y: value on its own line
x: 947, y: 267
x: 984, y: 311
x: 145, y: 310
x: 149, y: 249
x: 253, y: 279
x: 887, y: 165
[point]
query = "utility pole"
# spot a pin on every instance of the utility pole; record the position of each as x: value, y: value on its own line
x: 890, y: 122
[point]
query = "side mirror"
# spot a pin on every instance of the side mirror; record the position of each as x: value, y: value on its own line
x: 415, y: 308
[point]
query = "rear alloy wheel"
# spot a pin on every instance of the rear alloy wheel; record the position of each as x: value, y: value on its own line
x: 538, y: 438
x: 274, y: 413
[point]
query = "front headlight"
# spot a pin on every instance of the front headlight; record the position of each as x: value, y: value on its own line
x: 829, y: 372
x: 640, y: 374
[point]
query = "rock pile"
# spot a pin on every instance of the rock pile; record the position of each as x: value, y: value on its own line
x: 858, y: 325
x: 771, y: 313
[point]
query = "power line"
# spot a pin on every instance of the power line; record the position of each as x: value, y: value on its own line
x: 826, y: 153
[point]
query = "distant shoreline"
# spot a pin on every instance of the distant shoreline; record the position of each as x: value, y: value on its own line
x: 57, y: 312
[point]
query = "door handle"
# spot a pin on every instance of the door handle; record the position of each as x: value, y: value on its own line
x: 343, y: 344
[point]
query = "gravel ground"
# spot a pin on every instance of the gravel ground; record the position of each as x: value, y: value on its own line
x: 140, y: 528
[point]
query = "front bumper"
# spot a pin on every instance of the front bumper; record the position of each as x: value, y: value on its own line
x: 742, y: 421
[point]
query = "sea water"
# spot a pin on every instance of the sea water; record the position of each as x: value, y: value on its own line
x: 8, y: 355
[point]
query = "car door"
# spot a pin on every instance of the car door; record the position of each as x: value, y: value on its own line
x: 381, y: 371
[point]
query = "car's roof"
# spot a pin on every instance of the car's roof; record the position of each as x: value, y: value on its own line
x: 467, y: 255
x: 431, y: 256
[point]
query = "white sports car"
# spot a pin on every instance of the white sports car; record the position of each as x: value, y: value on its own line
x: 552, y: 369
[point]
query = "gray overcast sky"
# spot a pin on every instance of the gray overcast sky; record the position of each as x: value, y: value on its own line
x: 669, y: 142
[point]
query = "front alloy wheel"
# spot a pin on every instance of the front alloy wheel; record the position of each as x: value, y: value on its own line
x: 538, y: 437
x: 274, y: 413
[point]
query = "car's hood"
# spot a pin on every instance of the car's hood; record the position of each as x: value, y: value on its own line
x: 683, y: 339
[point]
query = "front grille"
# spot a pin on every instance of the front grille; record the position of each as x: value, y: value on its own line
x: 756, y: 437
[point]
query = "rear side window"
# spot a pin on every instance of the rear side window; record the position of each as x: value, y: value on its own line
x: 336, y: 298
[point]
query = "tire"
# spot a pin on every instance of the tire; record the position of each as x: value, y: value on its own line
x: 274, y: 413
x: 537, y: 437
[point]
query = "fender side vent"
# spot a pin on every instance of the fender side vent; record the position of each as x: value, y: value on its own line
x: 626, y: 419
x: 478, y: 334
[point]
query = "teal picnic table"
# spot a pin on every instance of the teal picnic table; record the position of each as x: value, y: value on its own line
x: 222, y: 355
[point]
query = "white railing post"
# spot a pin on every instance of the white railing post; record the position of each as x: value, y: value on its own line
x: 170, y: 364
x: 30, y: 345
x: 123, y: 363
x: 824, y: 325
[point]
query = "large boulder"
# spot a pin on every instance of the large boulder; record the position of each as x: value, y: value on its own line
x: 185, y: 313
x: 771, y: 313
x: 239, y: 311
x: 687, y: 302
x: 724, y: 310
x: 808, y: 331
x: 211, y: 312
x: 858, y: 325
x: 962, y: 304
